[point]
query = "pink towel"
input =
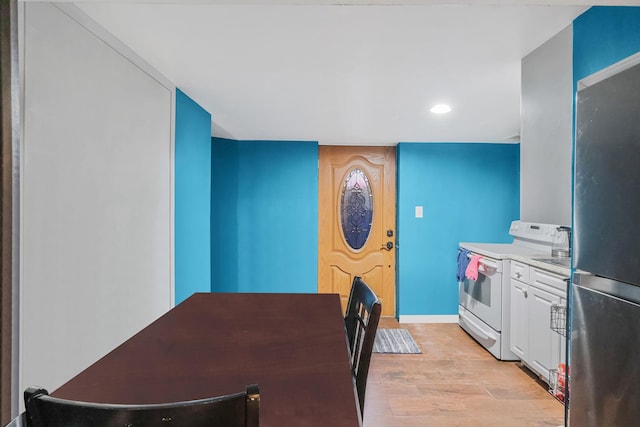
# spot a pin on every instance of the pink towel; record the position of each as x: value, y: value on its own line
x: 472, y: 268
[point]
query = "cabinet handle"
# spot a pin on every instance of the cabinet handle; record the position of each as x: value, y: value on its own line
x: 518, y: 275
x: 526, y: 295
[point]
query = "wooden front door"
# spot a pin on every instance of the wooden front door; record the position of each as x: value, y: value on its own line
x: 357, y: 221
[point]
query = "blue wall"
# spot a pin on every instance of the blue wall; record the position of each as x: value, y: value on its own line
x: 192, y: 198
x: 603, y: 36
x: 273, y: 225
x: 470, y: 192
x: 264, y: 214
x: 224, y: 215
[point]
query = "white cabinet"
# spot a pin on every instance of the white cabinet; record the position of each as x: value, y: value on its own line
x: 519, y: 335
x: 533, y: 292
x: 544, y: 348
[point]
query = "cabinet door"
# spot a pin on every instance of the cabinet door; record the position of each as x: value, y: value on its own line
x: 519, y: 317
x: 544, y: 344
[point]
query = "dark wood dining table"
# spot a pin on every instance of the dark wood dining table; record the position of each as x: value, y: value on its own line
x: 292, y: 345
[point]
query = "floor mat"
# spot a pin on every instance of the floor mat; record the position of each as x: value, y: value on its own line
x: 396, y: 341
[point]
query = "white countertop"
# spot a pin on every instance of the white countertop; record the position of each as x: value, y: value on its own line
x: 518, y: 252
x: 502, y: 250
x: 554, y: 268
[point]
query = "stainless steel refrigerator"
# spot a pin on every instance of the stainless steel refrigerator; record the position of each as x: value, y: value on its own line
x: 604, y: 353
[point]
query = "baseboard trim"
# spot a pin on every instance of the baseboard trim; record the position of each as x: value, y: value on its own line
x: 438, y: 318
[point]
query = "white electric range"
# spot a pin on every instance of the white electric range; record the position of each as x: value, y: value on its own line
x: 484, y: 304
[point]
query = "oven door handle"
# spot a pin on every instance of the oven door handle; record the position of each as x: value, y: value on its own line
x: 487, y: 266
x: 476, y: 330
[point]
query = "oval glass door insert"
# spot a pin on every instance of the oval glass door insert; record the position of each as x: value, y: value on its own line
x: 356, y: 209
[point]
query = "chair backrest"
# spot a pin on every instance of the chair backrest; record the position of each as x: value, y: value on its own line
x: 234, y: 410
x: 361, y: 323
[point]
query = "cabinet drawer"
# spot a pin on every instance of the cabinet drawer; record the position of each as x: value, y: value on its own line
x: 519, y: 271
x: 548, y: 278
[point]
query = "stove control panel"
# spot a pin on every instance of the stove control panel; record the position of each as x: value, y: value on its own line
x: 533, y: 231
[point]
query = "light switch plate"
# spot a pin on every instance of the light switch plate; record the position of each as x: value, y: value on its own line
x: 418, y: 211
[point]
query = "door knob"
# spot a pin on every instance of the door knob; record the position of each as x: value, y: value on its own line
x: 388, y: 246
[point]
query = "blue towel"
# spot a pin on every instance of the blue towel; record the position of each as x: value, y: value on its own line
x: 463, y: 262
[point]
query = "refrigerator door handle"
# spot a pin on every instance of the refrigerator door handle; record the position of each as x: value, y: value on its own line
x: 610, y: 287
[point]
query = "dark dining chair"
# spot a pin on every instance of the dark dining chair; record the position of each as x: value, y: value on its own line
x: 361, y: 324
x: 234, y: 410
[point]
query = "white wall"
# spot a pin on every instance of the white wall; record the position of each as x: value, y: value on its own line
x: 546, y: 132
x: 96, y: 220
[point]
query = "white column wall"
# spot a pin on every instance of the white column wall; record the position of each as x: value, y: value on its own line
x: 97, y: 204
x: 546, y: 131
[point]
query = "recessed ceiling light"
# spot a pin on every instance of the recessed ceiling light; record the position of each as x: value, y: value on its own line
x: 440, y: 109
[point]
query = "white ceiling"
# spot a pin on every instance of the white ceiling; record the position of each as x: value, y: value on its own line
x: 350, y: 74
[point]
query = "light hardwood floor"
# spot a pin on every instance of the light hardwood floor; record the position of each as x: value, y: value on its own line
x: 454, y: 382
